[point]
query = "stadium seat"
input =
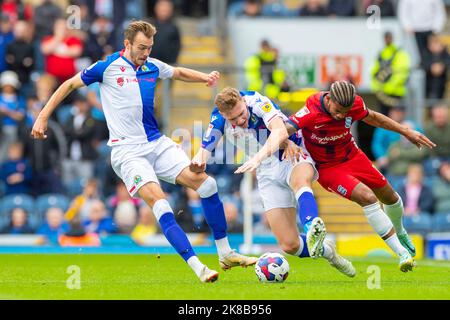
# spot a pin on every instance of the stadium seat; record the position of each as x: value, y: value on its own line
x: 441, y: 222
x: 421, y: 223
x: 74, y: 188
x: 46, y: 201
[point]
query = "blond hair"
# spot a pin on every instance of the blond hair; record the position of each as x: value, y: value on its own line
x: 139, y: 26
x: 227, y: 99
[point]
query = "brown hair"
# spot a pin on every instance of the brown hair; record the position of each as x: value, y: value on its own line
x: 227, y: 99
x: 343, y: 92
x: 139, y: 26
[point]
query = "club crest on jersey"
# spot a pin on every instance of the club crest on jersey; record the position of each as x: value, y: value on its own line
x: 137, y: 179
x: 144, y: 68
x: 342, y: 190
x: 348, y: 122
x: 267, y: 107
x: 120, y: 81
x: 302, y: 112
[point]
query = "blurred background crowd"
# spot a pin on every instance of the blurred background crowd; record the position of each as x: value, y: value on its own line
x: 65, y: 185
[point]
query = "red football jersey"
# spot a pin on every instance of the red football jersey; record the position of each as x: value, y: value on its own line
x: 329, y: 141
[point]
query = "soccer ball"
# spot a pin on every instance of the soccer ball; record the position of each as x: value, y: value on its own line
x: 272, y: 267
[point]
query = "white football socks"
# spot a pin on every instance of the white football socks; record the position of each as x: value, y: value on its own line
x: 223, y: 246
x: 382, y: 225
x: 395, y: 213
x: 196, y: 265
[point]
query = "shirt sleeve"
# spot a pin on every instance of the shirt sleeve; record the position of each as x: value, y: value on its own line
x: 304, y: 117
x: 359, y: 110
x: 165, y: 70
x: 214, y: 132
x: 264, y: 108
x: 94, y: 73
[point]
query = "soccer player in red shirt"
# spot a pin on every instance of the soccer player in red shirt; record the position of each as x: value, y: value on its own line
x: 344, y: 169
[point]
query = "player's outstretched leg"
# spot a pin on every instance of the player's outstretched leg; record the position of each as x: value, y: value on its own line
x: 215, y: 218
x: 330, y: 253
x: 385, y: 229
x: 178, y: 239
x: 395, y: 214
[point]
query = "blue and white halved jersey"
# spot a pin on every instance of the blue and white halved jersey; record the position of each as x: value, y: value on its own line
x: 261, y: 112
x: 128, y: 94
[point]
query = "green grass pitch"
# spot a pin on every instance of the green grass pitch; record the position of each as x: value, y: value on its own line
x: 168, y: 277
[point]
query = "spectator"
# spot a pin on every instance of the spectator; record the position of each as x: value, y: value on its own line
x: 53, y: 227
x: 313, y: 8
x: 249, y: 8
x: 195, y: 207
x: 402, y: 154
x: 80, y: 132
x: 98, y: 220
x: 101, y: 40
x: 276, y: 8
x: 122, y: 196
x: 422, y: 18
x: 16, y: 171
x: 262, y: 227
x: 441, y: 189
x: 439, y: 132
x: 390, y: 74
x: 146, y: 227
x: 20, y: 54
x: 386, y: 7
x: 234, y: 225
x: 16, y: 10
x: 46, y: 155
x: 6, y: 37
x: 436, y: 63
x: 60, y: 51
x: 12, y: 110
x: 45, y: 16
x: 167, y: 42
x: 416, y: 196
x: 342, y: 8
x: 19, y: 223
x: 80, y: 206
x: 262, y: 73
x: 125, y: 217
x: 383, y: 139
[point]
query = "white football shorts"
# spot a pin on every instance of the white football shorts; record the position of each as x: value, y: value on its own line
x: 273, y: 182
x: 138, y: 164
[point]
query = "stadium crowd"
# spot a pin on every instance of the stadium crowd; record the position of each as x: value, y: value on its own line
x: 65, y: 184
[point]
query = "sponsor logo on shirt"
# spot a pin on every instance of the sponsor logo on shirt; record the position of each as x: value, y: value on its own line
x: 325, y: 140
x: 342, y: 190
x: 302, y: 112
x: 267, y: 107
x: 137, y: 179
x: 348, y: 122
x: 208, y: 132
x: 122, y: 69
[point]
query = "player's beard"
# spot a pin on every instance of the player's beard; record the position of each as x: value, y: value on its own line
x: 135, y: 58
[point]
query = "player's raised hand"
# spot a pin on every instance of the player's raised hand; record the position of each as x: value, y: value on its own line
x: 39, y: 129
x: 249, y: 166
x: 213, y: 79
x: 197, y: 166
x: 291, y: 152
x: 419, y: 139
